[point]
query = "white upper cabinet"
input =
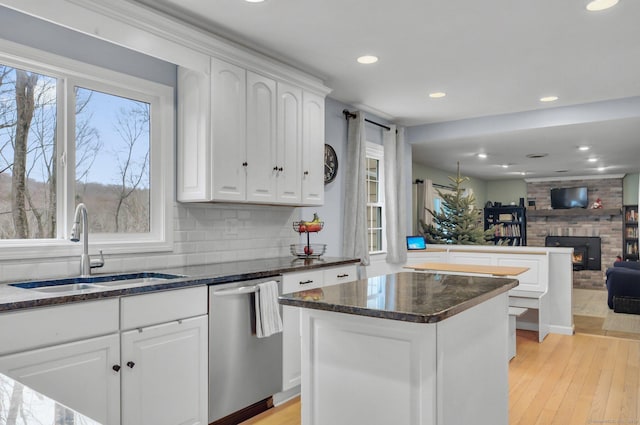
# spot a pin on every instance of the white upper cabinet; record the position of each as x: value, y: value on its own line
x: 194, y: 179
x: 312, y: 149
x: 289, y: 142
x: 262, y: 160
x: 247, y: 137
x: 228, y: 131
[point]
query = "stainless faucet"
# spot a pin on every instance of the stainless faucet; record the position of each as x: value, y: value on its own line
x: 81, y: 224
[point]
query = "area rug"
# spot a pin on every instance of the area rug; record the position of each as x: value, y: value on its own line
x: 621, y: 322
x: 592, y: 315
x: 590, y: 302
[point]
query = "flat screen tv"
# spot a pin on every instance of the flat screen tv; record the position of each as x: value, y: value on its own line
x: 569, y: 197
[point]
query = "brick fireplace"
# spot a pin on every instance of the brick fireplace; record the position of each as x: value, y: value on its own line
x: 605, y: 223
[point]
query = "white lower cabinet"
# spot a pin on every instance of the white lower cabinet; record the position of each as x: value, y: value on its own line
x: 152, y: 369
x: 164, y: 374
x: 302, y: 281
x: 79, y: 374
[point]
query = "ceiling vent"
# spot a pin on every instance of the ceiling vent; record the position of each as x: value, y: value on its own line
x: 537, y: 155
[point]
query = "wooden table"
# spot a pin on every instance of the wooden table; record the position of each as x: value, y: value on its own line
x: 470, y: 268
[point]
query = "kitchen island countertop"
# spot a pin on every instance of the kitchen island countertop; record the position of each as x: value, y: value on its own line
x: 21, y: 404
x: 405, y: 296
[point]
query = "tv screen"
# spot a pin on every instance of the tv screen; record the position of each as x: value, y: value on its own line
x: 569, y: 197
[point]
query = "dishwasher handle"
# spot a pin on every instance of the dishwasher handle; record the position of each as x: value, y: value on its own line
x: 236, y: 291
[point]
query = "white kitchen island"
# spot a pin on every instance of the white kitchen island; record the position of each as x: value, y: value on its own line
x: 407, y: 348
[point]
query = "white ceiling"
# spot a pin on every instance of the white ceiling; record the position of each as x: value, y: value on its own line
x: 491, y: 57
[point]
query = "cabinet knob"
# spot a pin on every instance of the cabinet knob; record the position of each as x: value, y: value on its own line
x: 306, y: 173
x: 131, y: 364
x: 116, y: 367
x: 275, y: 168
x: 244, y: 164
x: 281, y: 169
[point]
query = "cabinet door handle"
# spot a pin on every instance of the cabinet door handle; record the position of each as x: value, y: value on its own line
x: 343, y: 275
x: 131, y: 364
x: 116, y: 367
x: 306, y: 282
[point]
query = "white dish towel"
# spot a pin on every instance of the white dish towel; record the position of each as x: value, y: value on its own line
x: 268, y: 321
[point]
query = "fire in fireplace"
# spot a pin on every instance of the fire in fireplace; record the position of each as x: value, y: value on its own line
x: 586, y: 250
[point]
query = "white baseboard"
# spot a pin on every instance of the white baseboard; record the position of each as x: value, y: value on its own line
x: 284, y: 396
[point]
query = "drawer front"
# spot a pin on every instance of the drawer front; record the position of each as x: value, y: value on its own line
x: 143, y: 310
x: 295, y: 282
x: 340, y: 274
x: 40, y: 327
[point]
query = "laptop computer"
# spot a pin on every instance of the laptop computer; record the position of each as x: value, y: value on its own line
x: 416, y: 243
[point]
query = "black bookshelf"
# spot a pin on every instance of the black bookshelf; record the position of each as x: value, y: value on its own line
x: 630, y: 233
x: 509, y: 224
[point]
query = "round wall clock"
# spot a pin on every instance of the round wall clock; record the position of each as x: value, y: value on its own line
x: 330, y: 164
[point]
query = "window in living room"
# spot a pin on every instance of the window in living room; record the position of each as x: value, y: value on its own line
x: 375, y: 198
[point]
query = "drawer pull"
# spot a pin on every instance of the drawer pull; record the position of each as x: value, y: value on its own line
x: 305, y: 282
x: 342, y: 275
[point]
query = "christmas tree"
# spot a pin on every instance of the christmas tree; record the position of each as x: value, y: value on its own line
x: 458, y: 221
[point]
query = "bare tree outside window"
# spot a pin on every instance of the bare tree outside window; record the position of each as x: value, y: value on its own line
x: 27, y: 152
x: 112, y: 148
x: 115, y: 187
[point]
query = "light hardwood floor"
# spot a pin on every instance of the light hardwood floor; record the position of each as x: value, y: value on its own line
x: 565, y: 380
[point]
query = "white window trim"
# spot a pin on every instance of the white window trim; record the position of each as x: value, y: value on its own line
x: 376, y: 151
x: 162, y: 157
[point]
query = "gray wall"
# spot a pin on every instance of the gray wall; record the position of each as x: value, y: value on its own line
x: 630, y: 189
x: 332, y: 212
x: 52, y: 38
x: 506, y: 191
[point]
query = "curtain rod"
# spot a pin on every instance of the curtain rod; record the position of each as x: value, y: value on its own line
x: 442, y: 186
x: 348, y: 115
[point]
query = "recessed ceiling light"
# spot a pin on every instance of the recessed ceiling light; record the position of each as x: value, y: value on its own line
x: 597, y: 5
x: 523, y: 173
x: 602, y: 168
x: 505, y: 165
x: 482, y: 155
x: 437, y: 95
x: 592, y: 159
x: 548, y: 99
x: 368, y: 59
x: 583, y: 148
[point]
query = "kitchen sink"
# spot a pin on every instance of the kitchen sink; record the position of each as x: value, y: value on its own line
x: 96, y: 282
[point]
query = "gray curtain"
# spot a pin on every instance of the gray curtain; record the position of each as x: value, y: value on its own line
x: 395, y: 202
x: 354, y: 242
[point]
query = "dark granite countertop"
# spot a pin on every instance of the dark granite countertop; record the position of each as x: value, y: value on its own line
x: 407, y: 296
x: 21, y: 404
x: 13, y: 298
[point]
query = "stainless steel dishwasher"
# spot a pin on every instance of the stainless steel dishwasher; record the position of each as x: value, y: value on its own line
x: 243, y: 369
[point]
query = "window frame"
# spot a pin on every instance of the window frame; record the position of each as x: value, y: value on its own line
x: 376, y: 151
x: 71, y: 73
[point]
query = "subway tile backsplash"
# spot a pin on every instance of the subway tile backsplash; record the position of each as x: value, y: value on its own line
x: 203, y: 233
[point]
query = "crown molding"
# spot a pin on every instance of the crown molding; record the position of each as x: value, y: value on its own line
x: 568, y: 178
x: 157, y: 34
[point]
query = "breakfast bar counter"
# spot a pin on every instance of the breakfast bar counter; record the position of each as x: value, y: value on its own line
x: 406, y: 348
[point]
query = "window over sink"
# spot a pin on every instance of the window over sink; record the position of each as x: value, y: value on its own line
x: 72, y: 132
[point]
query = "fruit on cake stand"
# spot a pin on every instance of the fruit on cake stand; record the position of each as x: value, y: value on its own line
x: 308, y: 250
